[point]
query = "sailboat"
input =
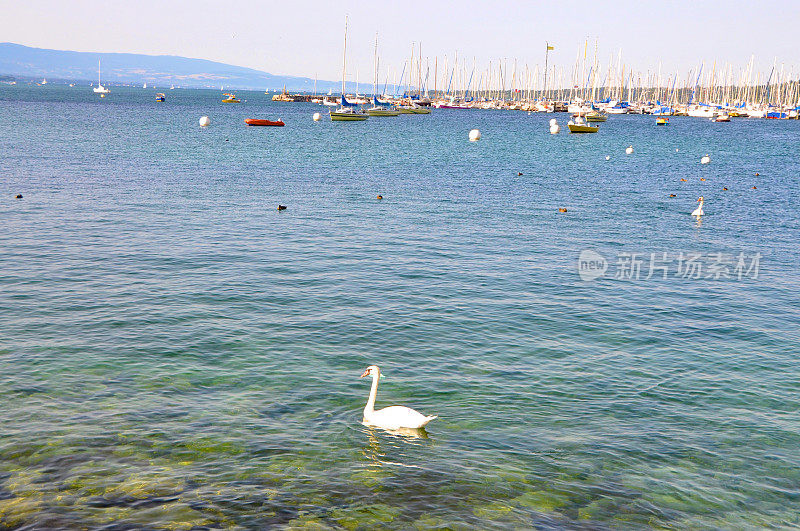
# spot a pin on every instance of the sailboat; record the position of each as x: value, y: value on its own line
x: 100, y: 89
x: 379, y: 108
x: 347, y: 112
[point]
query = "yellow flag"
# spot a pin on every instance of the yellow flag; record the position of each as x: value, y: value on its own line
x: 550, y: 47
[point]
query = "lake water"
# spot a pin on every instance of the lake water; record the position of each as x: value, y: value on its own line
x: 177, y: 353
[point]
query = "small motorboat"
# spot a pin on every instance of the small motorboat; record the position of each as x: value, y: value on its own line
x: 161, y: 97
x: 579, y: 125
x: 257, y: 121
x: 231, y: 98
x: 595, y: 116
x: 662, y: 120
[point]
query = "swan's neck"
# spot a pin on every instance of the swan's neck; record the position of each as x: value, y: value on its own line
x: 370, y: 407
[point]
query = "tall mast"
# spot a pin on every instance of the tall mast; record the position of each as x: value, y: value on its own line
x: 344, y: 56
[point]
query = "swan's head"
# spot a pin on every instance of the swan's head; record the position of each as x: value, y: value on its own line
x: 372, y: 370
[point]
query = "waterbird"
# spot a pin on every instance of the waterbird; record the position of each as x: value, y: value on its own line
x: 753, y: 188
x: 705, y: 159
x: 519, y: 173
x: 281, y: 207
x: 757, y: 174
x: 380, y: 196
x: 19, y: 196
x: 702, y: 178
x: 629, y: 150
x: 562, y: 209
x: 608, y: 157
x: 392, y: 417
x: 699, y: 210
x: 683, y: 180
x: 724, y: 189
x: 672, y: 195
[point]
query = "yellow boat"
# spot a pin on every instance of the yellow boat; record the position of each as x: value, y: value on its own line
x: 231, y: 99
x: 662, y: 120
x: 582, y: 128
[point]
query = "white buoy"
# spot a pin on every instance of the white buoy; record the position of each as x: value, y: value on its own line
x: 554, y: 128
x: 205, y: 121
x: 629, y: 150
x: 474, y: 135
x: 705, y: 160
x: 553, y: 121
x: 608, y: 157
x: 676, y: 150
x: 317, y: 116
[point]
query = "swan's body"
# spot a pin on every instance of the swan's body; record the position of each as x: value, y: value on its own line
x: 629, y: 150
x: 699, y: 210
x: 392, y: 417
x: 705, y: 160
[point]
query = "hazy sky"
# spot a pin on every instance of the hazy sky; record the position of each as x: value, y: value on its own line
x: 305, y: 37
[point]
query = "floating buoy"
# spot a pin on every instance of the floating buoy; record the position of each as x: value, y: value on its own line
x: 474, y: 135
x: 205, y: 121
x: 724, y: 189
x: 629, y: 150
x: 553, y: 121
x: 102, y: 95
x: 19, y: 196
x: 683, y: 180
x: 380, y: 197
x: 562, y: 209
x: 757, y: 174
x: 672, y: 195
x: 705, y: 159
x: 608, y: 157
x: 676, y: 150
x: 554, y: 127
x: 281, y: 207
x: 753, y: 188
x: 702, y: 178
x: 317, y: 117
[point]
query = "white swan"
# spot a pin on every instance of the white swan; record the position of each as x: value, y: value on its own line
x: 629, y: 150
x: 392, y: 417
x: 699, y: 210
x: 705, y: 159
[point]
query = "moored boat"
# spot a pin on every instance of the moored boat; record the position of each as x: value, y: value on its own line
x: 161, y: 97
x: 662, y: 120
x: 231, y: 98
x: 258, y: 121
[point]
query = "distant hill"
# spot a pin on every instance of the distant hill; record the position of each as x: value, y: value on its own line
x: 129, y: 68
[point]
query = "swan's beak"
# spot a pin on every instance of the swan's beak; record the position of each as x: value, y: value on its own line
x: 366, y: 373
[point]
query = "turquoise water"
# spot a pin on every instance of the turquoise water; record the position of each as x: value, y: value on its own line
x: 176, y: 353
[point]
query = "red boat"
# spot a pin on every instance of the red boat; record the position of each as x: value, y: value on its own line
x: 256, y: 121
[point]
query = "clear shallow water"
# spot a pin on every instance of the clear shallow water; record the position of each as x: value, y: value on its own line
x: 175, y: 353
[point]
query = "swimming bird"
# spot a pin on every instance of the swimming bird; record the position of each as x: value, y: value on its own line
x: 724, y: 189
x: 380, y: 196
x: 757, y: 174
x: 392, y: 417
x: 699, y: 210
x: 672, y: 195
x: 702, y: 178
x: 562, y: 209
x: 629, y: 150
x: 19, y: 196
x: 754, y: 188
x: 281, y: 207
x: 705, y: 159
x: 683, y: 180
x: 519, y: 173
